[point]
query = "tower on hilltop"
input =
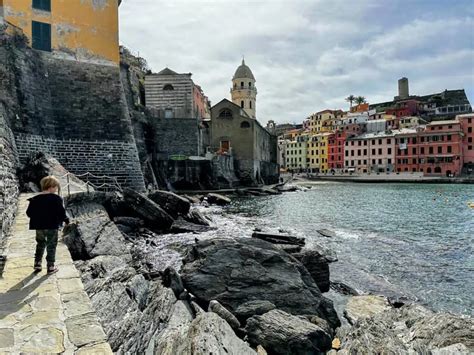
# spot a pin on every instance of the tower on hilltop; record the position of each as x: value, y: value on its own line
x: 243, y: 91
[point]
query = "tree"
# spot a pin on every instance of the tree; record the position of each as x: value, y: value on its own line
x: 351, y: 98
x: 360, y: 100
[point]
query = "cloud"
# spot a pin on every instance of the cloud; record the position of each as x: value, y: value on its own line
x: 307, y: 55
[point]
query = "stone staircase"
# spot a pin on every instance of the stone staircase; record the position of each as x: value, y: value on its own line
x: 42, y: 313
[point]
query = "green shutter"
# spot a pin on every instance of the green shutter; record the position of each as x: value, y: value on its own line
x: 41, y: 34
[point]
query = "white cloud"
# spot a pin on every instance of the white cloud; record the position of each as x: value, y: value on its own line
x: 306, y: 55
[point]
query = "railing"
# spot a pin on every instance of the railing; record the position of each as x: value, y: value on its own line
x: 112, y: 185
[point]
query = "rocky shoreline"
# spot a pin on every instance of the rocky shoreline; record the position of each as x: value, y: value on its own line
x: 232, y: 294
x: 164, y: 279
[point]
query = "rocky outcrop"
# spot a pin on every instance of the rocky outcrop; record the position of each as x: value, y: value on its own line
x: 359, y: 307
x: 284, y: 334
x: 216, y: 199
x: 207, y: 334
x: 173, y: 204
x: 153, y: 215
x: 318, y: 267
x: 92, y: 233
x: 410, y: 329
x: 235, y: 272
x: 196, y: 217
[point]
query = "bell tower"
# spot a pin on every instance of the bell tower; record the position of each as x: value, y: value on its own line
x: 243, y: 91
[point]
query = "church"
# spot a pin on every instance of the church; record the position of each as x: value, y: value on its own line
x: 236, y: 131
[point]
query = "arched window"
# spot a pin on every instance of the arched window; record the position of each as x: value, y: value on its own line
x: 241, y: 84
x: 250, y: 103
x: 168, y: 87
x: 428, y: 171
x: 245, y: 124
x: 250, y: 84
x: 225, y: 113
x: 437, y: 170
x: 242, y: 104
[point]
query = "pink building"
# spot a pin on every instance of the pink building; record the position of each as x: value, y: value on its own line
x: 370, y: 153
x: 467, y: 127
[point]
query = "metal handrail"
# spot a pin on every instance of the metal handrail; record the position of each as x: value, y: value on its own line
x: 115, y: 185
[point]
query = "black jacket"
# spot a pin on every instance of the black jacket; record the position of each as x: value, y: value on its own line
x: 46, y: 211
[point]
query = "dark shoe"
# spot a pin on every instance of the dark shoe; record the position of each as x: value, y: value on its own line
x: 52, y: 269
x: 37, y: 266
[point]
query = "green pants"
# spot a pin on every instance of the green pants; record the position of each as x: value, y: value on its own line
x: 46, y: 239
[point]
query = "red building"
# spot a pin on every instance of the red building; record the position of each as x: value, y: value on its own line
x: 336, y: 144
x: 435, y: 151
x: 404, y: 108
x: 467, y: 126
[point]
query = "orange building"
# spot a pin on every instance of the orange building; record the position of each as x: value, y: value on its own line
x: 70, y: 29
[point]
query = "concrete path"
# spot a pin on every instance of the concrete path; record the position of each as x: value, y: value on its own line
x: 42, y: 313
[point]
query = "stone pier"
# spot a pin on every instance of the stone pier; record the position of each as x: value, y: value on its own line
x: 42, y: 313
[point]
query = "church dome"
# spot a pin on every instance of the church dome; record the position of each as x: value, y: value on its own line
x: 243, y: 72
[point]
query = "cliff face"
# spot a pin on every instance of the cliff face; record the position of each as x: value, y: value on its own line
x: 74, y: 111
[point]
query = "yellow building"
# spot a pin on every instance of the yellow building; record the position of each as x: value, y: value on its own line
x: 313, y: 154
x: 83, y: 30
x: 321, y: 142
x: 324, y: 121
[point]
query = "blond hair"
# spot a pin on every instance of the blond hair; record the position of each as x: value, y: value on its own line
x: 48, y: 182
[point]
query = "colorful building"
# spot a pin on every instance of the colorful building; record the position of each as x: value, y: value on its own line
x: 73, y: 29
x: 336, y: 147
x: 370, y: 153
x: 322, y: 140
x: 467, y: 126
x: 433, y: 151
x: 296, y: 153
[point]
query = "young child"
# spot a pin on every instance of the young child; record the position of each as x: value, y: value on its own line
x: 47, y: 214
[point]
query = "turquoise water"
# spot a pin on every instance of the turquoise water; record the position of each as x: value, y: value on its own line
x: 396, y: 239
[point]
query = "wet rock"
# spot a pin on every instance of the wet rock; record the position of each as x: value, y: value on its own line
x: 192, y: 199
x: 216, y: 199
x: 282, y: 333
x: 318, y: 267
x: 251, y: 308
x: 153, y: 215
x: 196, y: 217
x: 173, y: 204
x: 180, y: 225
x: 326, y: 233
x: 132, y: 222
x: 410, y: 329
x: 359, y: 307
x: 238, y: 271
x: 279, y: 238
x: 224, y: 313
x: 343, y: 289
x: 207, y: 334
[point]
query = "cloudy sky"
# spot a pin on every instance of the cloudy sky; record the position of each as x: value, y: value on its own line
x: 308, y: 55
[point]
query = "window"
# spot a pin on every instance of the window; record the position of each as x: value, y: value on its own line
x: 440, y: 150
x: 469, y: 129
x: 380, y: 141
x: 373, y: 161
x: 422, y: 150
x: 414, y: 140
x: 389, y: 150
x: 422, y: 139
x: 358, y: 152
x: 365, y: 151
x: 389, y: 141
x: 225, y: 113
x: 373, y: 151
x: 250, y: 84
x: 448, y: 137
x: 242, y: 104
x: 41, y: 36
x: 245, y: 124
x: 380, y: 151
x: 414, y: 151
x: 431, y: 150
x: 469, y: 147
x: 449, y: 150
x: 169, y: 113
x: 241, y: 84
x: 389, y: 161
x: 380, y: 161
x: 44, y: 5
x: 469, y: 139
x: 250, y: 103
x: 168, y: 87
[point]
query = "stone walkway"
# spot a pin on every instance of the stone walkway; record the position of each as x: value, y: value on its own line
x: 42, y: 313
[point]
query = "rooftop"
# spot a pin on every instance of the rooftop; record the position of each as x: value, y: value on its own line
x: 243, y: 72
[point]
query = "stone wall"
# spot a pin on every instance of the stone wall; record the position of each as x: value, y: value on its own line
x: 8, y: 180
x: 75, y: 111
x: 177, y: 136
x: 116, y: 159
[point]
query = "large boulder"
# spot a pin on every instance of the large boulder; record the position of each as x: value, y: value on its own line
x: 318, y: 267
x: 196, y: 217
x: 217, y: 199
x: 153, y: 215
x: 173, y: 204
x: 207, y: 334
x: 237, y: 271
x: 410, y: 329
x: 284, y: 334
x: 92, y: 233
